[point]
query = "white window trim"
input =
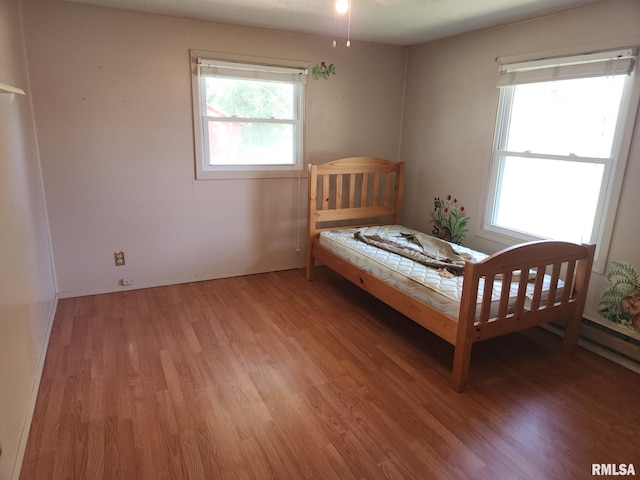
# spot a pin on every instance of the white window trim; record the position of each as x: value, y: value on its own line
x: 203, y: 172
x: 608, y: 202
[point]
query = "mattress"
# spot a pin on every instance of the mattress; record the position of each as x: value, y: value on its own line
x: 426, y: 284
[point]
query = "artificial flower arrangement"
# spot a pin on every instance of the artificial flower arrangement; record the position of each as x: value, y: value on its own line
x: 449, y: 220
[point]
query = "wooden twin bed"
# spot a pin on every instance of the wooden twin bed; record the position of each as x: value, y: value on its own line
x: 519, y: 287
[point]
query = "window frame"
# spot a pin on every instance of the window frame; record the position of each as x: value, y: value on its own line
x: 203, y: 170
x: 614, y: 166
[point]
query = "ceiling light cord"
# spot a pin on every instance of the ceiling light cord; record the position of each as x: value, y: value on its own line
x: 342, y: 7
x: 335, y: 15
x: 349, y: 27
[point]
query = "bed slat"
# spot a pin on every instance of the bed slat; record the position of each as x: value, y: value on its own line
x: 553, y: 286
x: 339, y: 191
x: 522, y: 291
x: 505, y: 294
x: 568, y: 281
x: 325, y: 192
x: 537, y: 289
x: 352, y: 190
x: 487, y: 294
x: 364, y: 190
x: 387, y: 190
x: 376, y: 189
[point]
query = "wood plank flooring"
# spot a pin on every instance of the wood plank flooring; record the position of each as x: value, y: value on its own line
x: 273, y: 377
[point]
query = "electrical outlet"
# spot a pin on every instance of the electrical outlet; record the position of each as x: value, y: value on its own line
x: 125, y: 282
x: 118, y: 258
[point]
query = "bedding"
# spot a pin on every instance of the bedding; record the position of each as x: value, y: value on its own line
x: 422, y: 248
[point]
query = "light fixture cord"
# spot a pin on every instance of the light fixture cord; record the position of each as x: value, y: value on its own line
x: 335, y: 14
x: 349, y: 26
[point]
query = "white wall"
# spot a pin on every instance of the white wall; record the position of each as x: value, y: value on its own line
x: 27, y: 291
x: 451, y: 110
x: 113, y: 106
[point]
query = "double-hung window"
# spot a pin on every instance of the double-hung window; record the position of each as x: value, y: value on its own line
x: 248, y: 118
x: 562, y: 136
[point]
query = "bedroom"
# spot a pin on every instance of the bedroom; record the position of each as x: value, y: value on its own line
x: 98, y: 74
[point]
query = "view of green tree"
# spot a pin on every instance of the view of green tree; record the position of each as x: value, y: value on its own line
x: 250, y: 98
x: 253, y: 99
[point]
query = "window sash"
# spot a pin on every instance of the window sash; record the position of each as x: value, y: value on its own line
x: 549, y: 208
x: 279, y: 121
x: 276, y: 73
x: 564, y: 158
x: 296, y: 110
x: 612, y: 175
x: 287, y: 162
x: 296, y: 122
x: 499, y: 159
x: 617, y: 62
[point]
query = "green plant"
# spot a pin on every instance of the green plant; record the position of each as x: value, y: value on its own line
x: 625, y: 280
x: 449, y: 220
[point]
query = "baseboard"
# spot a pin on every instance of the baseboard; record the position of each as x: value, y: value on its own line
x: 609, y: 347
x: 175, y: 281
x: 33, y: 397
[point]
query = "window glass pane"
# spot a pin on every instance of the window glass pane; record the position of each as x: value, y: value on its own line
x: 228, y: 97
x: 575, y: 116
x: 535, y: 197
x: 250, y: 143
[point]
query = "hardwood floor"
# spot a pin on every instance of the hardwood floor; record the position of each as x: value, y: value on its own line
x: 273, y: 377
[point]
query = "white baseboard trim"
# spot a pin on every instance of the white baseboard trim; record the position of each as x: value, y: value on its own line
x: 595, y: 348
x: 33, y: 397
x: 603, y: 352
x: 175, y: 281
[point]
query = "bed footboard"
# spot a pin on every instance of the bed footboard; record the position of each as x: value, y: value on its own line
x: 565, y: 266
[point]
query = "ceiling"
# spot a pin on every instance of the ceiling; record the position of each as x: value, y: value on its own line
x: 395, y: 22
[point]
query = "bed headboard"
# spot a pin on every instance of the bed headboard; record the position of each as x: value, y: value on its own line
x: 354, y: 191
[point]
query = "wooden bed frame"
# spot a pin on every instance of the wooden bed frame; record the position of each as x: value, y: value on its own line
x: 365, y: 191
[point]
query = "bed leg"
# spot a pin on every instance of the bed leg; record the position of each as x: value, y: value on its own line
x: 571, y: 332
x: 461, y: 360
x: 311, y: 261
x: 310, y: 273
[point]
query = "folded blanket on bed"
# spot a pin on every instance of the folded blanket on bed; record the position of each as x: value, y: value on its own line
x: 431, y: 251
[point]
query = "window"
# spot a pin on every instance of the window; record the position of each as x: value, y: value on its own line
x: 560, y: 148
x: 248, y: 119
